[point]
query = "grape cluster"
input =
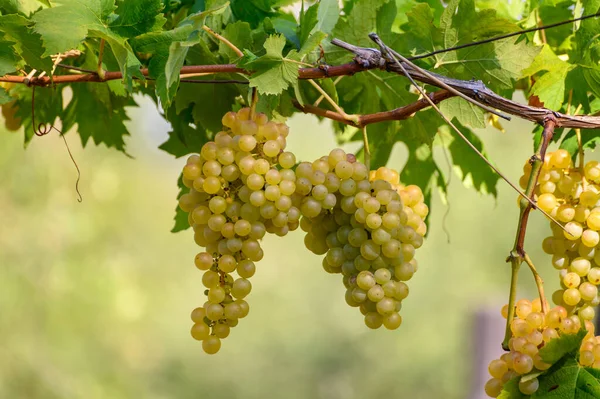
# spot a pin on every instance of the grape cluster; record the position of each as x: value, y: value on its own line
x: 572, y: 196
x: 241, y: 186
x: 531, y: 330
x: 367, y: 226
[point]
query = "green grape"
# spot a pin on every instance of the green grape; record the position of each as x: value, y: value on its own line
x: 376, y: 293
x: 373, y: 320
x: 211, y: 345
x: 198, y: 315
x: 216, y: 295
x: 200, y: 331
x: 204, y: 261
x: 392, y: 321
x: 493, y: 387
x: 241, y: 288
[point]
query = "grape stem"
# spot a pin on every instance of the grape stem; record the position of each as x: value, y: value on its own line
x: 99, y: 70
x: 340, y: 111
x: 226, y: 42
x: 367, y: 150
x: 518, y: 254
x: 253, y: 102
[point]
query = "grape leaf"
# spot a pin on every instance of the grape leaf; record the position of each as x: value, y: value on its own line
x: 99, y: 114
x: 567, y: 380
x: 25, y: 7
x: 272, y: 72
x: 469, y: 167
x: 4, y: 96
x: 80, y: 19
x: 497, y: 64
x: 421, y: 169
x: 183, y: 139
x: 589, y: 139
x: 158, y: 44
x: 207, y: 114
x: 240, y: 35
x: 308, y: 20
x: 318, y: 21
x: 178, y: 51
x: 47, y: 107
x: 420, y: 34
x: 465, y: 112
x: 26, y: 43
x: 181, y: 217
x: 327, y: 16
x: 549, y: 87
x: 559, y: 347
x: 136, y: 17
x: 9, y: 60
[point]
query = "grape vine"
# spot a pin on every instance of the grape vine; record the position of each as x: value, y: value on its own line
x: 228, y: 74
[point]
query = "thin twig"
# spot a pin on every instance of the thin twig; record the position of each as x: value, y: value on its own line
x: 353, y: 118
x: 539, y: 283
x: 232, y: 46
x: 74, y: 68
x: 322, y: 97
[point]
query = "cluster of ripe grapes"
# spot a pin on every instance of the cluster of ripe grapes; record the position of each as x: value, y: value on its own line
x: 244, y: 184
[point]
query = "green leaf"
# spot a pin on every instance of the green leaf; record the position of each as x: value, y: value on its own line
x: 549, y: 87
x: 240, y: 35
x: 469, y: 167
x: 559, y: 347
x: 77, y: 18
x: 327, y: 16
x: 207, y: 114
x: 183, y: 139
x: 178, y: 51
x: 422, y: 170
x: 273, y: 73
x: 308, y: 20
x: 99, y: 114
x: 136, y: 17
x: 181, y: 217
x: 25, y: 7
x: 497, y: 64
x: 567, y: 380
x: 158, y: 44
x: 47, y: 107
x: 80, y: 19
x: 465, y: 112
x: 9, y: 60
x: 589, y: 139
x: 27, y: 44
x: 4, y: 96
x: 355, y: 29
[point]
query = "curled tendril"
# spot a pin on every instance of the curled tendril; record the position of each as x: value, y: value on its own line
x: 43, y: 129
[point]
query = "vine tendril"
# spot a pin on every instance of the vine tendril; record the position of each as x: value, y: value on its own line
x: 43, y: 129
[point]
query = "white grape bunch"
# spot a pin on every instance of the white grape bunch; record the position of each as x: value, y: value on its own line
x: 241, y: 186
x: 531, y: 330
x: 572, y: 196
x: 367, y: 226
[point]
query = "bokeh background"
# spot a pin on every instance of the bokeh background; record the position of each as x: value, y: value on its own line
x: 95, y: 296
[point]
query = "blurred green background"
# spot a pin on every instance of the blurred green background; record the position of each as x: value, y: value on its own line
x: 95, y: 297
